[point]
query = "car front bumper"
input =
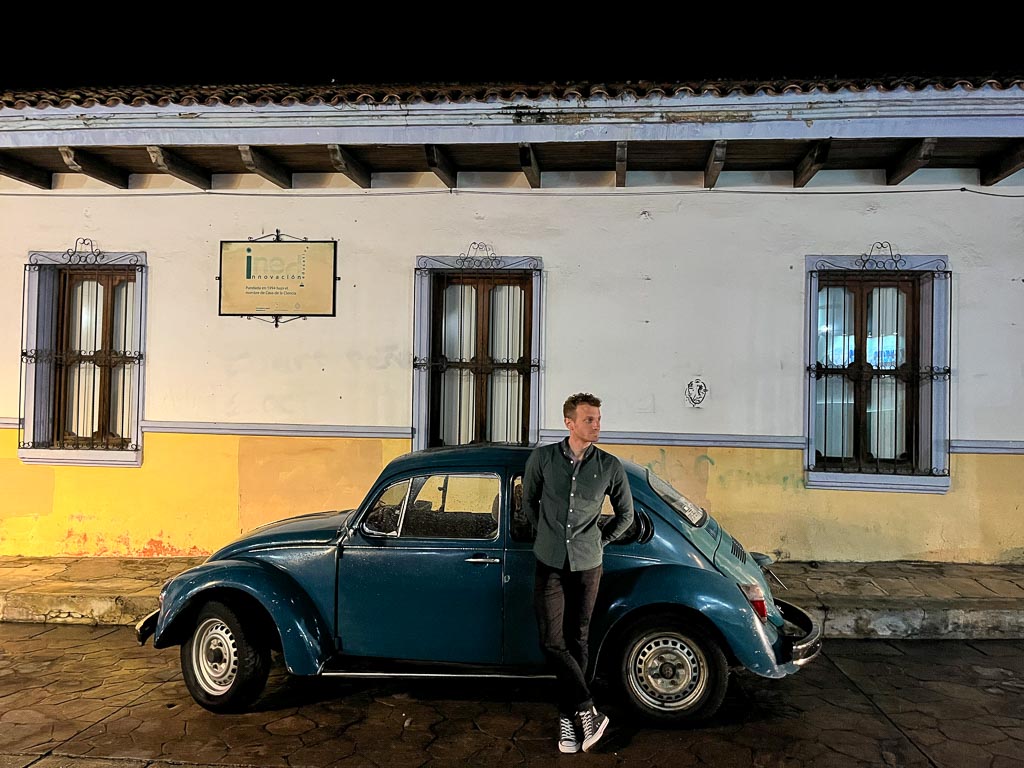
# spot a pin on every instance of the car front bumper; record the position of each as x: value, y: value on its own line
x: 145, y: 628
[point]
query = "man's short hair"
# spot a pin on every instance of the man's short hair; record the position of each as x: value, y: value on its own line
x: 580, y: 398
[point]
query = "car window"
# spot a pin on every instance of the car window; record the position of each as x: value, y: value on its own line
x: 452, y: 507
x: 683, y: 506
x: 522, y: 530
x: 385, y: 514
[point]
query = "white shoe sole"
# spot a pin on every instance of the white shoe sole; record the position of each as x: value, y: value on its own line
x: 567, y: 749
x: 588, y: 743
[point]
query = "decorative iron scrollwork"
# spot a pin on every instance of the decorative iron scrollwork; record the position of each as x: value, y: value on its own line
x: 876, y: 258
x: 277, y: 236
x: 84, y: 253
x: 479, y: 255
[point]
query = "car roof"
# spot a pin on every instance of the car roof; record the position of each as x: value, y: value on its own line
x: 455, y: 455
x: 476, y: 454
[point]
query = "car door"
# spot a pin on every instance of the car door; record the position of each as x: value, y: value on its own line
x: 522, y: 647
x: 420, y: 577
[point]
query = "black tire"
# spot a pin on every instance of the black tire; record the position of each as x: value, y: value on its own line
x: 671, y: 673
x: 225, y: 661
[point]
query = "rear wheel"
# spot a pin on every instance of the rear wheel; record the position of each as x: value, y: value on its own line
x: 672, y: 673
x: 225, y: 662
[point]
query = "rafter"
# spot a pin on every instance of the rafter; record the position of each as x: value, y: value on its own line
x: 528, y: 161
x: 19, y: 170
x: 345, y: 163
x: 914, y: 158
x: 80, y: 161
x: 715, y: 163
x: 1002, y: 165
x: 259, y: 162
x: 621, y: 149
x: 812, y: 162
x: 442, y: 165
x: 180, y: 168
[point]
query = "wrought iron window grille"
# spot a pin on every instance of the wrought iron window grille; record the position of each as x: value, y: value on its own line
x: 879, y: 347
x: 81, y: 356
x: 479, y: 368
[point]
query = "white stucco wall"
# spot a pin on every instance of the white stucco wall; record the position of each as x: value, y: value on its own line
x: 645, y: 287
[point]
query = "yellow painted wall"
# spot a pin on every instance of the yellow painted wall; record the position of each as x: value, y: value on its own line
x: 195, y: 493
x: 759, y: 496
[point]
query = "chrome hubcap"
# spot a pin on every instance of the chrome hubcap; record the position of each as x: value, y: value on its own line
x: 215, y: 657
x: 667, y: 671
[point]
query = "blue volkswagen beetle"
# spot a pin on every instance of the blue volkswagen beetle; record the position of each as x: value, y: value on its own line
x: 433, y: 573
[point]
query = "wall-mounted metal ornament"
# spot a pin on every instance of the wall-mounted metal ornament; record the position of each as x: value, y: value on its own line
x: 477, y: 256
x: 278, y: 276
x: 696, y: 392
x: 84, y: 253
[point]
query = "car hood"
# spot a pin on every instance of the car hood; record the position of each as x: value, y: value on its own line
x: 317, y: 528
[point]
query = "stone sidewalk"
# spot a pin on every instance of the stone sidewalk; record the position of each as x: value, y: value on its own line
x: 911, y: 600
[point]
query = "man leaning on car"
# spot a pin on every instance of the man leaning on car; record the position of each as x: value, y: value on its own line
x: 563, y: 490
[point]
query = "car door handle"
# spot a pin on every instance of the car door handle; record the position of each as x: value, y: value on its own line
x: 483, y: 559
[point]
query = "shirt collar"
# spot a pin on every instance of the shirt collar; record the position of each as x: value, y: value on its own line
x: 567, y: 451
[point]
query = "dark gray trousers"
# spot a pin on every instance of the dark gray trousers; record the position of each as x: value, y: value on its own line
x: 564, y: 601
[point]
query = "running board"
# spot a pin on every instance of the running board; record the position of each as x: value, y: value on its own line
x: 407, y: 675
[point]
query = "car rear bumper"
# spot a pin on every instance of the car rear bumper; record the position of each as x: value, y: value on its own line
x: 804, y: 644
x: 146, y: 627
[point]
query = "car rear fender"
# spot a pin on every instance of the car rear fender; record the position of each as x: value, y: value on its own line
x: 306, y: 639
x: 635, y: 593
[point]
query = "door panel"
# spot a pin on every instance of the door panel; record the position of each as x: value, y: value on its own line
x: 431, y: 589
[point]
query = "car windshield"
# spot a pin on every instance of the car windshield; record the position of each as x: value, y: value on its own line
x: 686, y: 508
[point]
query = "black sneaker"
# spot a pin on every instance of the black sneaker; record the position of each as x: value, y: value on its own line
x: 592, y: 725
x: 568, y: 741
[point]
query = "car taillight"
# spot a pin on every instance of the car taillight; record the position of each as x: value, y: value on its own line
x: 755, y: 596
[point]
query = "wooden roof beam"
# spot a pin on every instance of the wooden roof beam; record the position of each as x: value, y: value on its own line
x: 715, y: 163
x: 167, y: 162
x: 1003, y: 165
x: 620, y: 163
x: 918, y: 156
x: 259, y: 162
x: 528, y: 161
x: 82, y: 162
x: 812, y: 162
x: 442, y: 165
x: 13, y: 168
x: 345, y: 163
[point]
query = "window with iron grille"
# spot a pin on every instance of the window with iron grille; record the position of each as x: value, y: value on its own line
x: 82, y: 358
x: 878, y: 372
x: 476, y: 365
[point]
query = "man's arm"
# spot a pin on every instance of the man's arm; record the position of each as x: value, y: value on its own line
x: 533, y: 485
x: 622, y: 505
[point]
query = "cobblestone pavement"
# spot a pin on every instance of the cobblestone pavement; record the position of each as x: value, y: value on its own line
x: 74, y: 696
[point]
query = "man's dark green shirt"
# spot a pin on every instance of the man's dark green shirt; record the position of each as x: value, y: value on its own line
x: 563, y: 499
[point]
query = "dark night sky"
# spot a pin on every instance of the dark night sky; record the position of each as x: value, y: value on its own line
x: 296, y: 58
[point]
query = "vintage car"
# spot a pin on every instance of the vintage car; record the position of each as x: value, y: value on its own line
x: 433, y: 574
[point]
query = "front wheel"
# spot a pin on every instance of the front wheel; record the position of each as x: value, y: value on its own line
x: 225, y: 662
x: 672, y: 673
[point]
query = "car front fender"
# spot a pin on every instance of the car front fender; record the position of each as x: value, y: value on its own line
x: 306, y: 638
x: 629, y: 593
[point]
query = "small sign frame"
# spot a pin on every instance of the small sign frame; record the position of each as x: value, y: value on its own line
x: 278, y: 278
